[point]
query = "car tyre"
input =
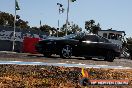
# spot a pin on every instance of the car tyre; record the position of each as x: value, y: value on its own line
x: 66, y: 51
x: 110, y: 56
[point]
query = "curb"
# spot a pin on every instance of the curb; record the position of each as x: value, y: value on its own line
x: 10, y: 52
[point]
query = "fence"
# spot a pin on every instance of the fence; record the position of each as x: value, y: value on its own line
x: 6, y: 37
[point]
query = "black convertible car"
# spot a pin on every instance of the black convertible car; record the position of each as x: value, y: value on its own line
x: 81, y: 44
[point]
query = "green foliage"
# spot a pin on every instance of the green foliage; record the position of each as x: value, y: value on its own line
x: 7, y: 19
x: 72, y: 28
x: 22, y: 24
x: 35, y: 28
x: 45, y: 28
x: 75, y: 28
x: 92, y: 27
x: 48, y: 29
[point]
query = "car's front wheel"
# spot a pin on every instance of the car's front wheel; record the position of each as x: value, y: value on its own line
x: 66, y: 51
x: 110, y: 56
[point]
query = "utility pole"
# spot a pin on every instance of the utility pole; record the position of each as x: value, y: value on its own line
x: 14, y: 32
x: 67, y: 17
x: 61, y: 10
x: 68, y: 7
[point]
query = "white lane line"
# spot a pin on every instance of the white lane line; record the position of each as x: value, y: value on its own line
x: 73, y: 62
x: 16, y: 61
x: 64, y: 64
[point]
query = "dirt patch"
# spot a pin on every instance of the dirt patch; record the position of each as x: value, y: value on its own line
x: 37, y: 76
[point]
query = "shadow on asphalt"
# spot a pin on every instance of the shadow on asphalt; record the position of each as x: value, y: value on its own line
x: 58, y: 57
x: 94, y: 59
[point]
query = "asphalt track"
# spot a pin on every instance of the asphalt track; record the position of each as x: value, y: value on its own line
x: 63, y: 64
x: 55, y: 60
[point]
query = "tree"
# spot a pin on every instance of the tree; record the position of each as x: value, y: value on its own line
x: 63, y: 30
x: 48, y: 29
x: 45, y: 28
x: 92, y: 27
x: 72, y: 28
x: 54, y: 31
x: 35, y: 28
x: 75, y: 28
x: 7, y: 19
x: 22, y: 24
x: 4, y: 17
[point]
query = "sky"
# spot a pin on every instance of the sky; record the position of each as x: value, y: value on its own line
x: 115, y: 14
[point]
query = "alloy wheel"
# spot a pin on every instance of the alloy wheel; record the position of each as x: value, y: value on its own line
x: 66, y: 51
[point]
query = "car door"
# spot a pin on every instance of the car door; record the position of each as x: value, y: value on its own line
x: 89, y: 45
x: 102, y: 46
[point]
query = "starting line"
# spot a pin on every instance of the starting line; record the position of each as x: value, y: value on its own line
x: 63, y: 64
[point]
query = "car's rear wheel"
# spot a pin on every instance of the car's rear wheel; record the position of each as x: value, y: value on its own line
x: 110, y: 56
x: 66, y: 51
